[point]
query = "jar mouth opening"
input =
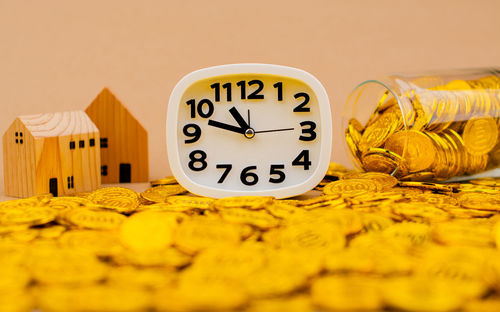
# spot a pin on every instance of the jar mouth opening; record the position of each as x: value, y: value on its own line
x: 356, y: 107
x: 384, y: 87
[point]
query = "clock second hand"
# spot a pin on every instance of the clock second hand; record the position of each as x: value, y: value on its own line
x: 274, y: 130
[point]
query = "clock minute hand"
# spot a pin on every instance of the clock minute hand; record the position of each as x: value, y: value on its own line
x: 225, y: 126
x: 239, y: 119
x: 274, y: 130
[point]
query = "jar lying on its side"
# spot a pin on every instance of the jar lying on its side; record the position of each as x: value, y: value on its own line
x: 426, y: 127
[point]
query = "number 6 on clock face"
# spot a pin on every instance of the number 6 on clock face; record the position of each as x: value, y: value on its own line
x: 249, y: 129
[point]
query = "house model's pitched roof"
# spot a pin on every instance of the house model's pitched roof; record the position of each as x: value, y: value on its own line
x: 107, y: 109
x: 58, y: 124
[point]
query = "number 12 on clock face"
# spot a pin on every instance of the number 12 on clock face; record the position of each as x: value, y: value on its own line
x: 249, y: 129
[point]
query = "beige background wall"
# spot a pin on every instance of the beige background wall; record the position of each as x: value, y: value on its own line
x: 57, y: 55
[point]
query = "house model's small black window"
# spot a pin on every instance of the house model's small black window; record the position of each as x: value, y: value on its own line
x: 71, y: 182
x: 92, y: 142
x: 104, y: 142
x: 72, y: 145
x: 104, y: 170
x: 19, y: 134
x: 81, y: 144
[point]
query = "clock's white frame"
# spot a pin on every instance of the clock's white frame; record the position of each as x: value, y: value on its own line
x: 230, y: 69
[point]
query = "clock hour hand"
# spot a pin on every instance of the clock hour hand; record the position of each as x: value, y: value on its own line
x: 225, y: 126
x: 239, y: 119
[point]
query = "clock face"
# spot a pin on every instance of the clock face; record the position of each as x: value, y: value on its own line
x: 249, y: 129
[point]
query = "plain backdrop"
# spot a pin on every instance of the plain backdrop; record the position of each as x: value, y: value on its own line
x: 58, y: 55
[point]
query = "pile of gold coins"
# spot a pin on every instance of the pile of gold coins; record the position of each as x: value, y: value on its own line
x: 360, y: 241
x: 451, y: 130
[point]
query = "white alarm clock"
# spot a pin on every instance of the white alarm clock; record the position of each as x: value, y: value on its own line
x: 249, y: 129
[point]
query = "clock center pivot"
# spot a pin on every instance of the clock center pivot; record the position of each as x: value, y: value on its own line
x: 249, y: 133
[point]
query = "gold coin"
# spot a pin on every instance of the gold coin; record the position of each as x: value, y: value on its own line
x: 416, y: 149
x: 105, y: 298
x: 246, y: 202
x: 95, y: 219
x: 164, y: 181
x: 198, y: 234
x: 376, y: 133
x: 479, y: 201
x: 386, y: 180
x: 160, y: 194
x: 480, y: 135
x: 382, y: 160
x: 147, y: 231
x: 351, y: 187
x: 258, y: 218
x: 29, y: 215
x: 100, y: 243
x: 300, y: 303
x: 66, y: 267
x: 351, y: 292
x: 116, y: 198
x: 421, y: 294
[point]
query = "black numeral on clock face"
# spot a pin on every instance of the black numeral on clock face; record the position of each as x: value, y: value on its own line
x: 255, y: 95
x: 197, y: 160
x: 311, y: 126
x: 279, y: 88
x: 192, y: 131
x: 247, y: 177
x: 301, y: 107
x: 204, y: 108
x: 276, y: 171
x: 226, y: 86
x: 302, y: 160
x: 227, y: 168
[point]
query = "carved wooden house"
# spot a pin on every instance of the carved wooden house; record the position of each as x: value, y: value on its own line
x: 124, y: 141
x: 57, y: 153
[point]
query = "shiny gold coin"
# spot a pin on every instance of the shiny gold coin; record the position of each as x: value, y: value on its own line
x: 147, y: 231
x: 480, y: 135
x: 105, y: 298
x: 160, y: 194
x: 193, y: 202
x: 351, y: 187
x: 116, y: 198
x: 95, y: 219
x: 376, y: 133
x: 29, y: 215
x: 100, y: 243
x: 479, y: 201
x: 415, y: 147
x: 258, y: 218
x: 198, y: 234
x: 386, y: 180
x: 66, y: 267
x: 164, y: 181
x: 380, y: 160
x: 351, y: 292
x: 246, y: 202
x: 300, y: 303
x: 68, y: 202
x: 421, y: 294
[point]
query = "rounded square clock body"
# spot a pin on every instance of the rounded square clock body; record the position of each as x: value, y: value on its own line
x: 249, y: 129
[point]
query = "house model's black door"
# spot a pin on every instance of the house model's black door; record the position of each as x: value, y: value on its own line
x: 53, y: 186
x: 125, y: 173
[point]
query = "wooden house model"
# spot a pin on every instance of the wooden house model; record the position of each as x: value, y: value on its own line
x: 124, y: 141
x: 57, y: 153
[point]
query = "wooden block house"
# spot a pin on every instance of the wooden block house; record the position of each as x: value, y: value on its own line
x: 57, y: 153
x: 124, y: 141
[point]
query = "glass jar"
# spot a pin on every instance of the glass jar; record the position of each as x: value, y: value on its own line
x: 426, y: 127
